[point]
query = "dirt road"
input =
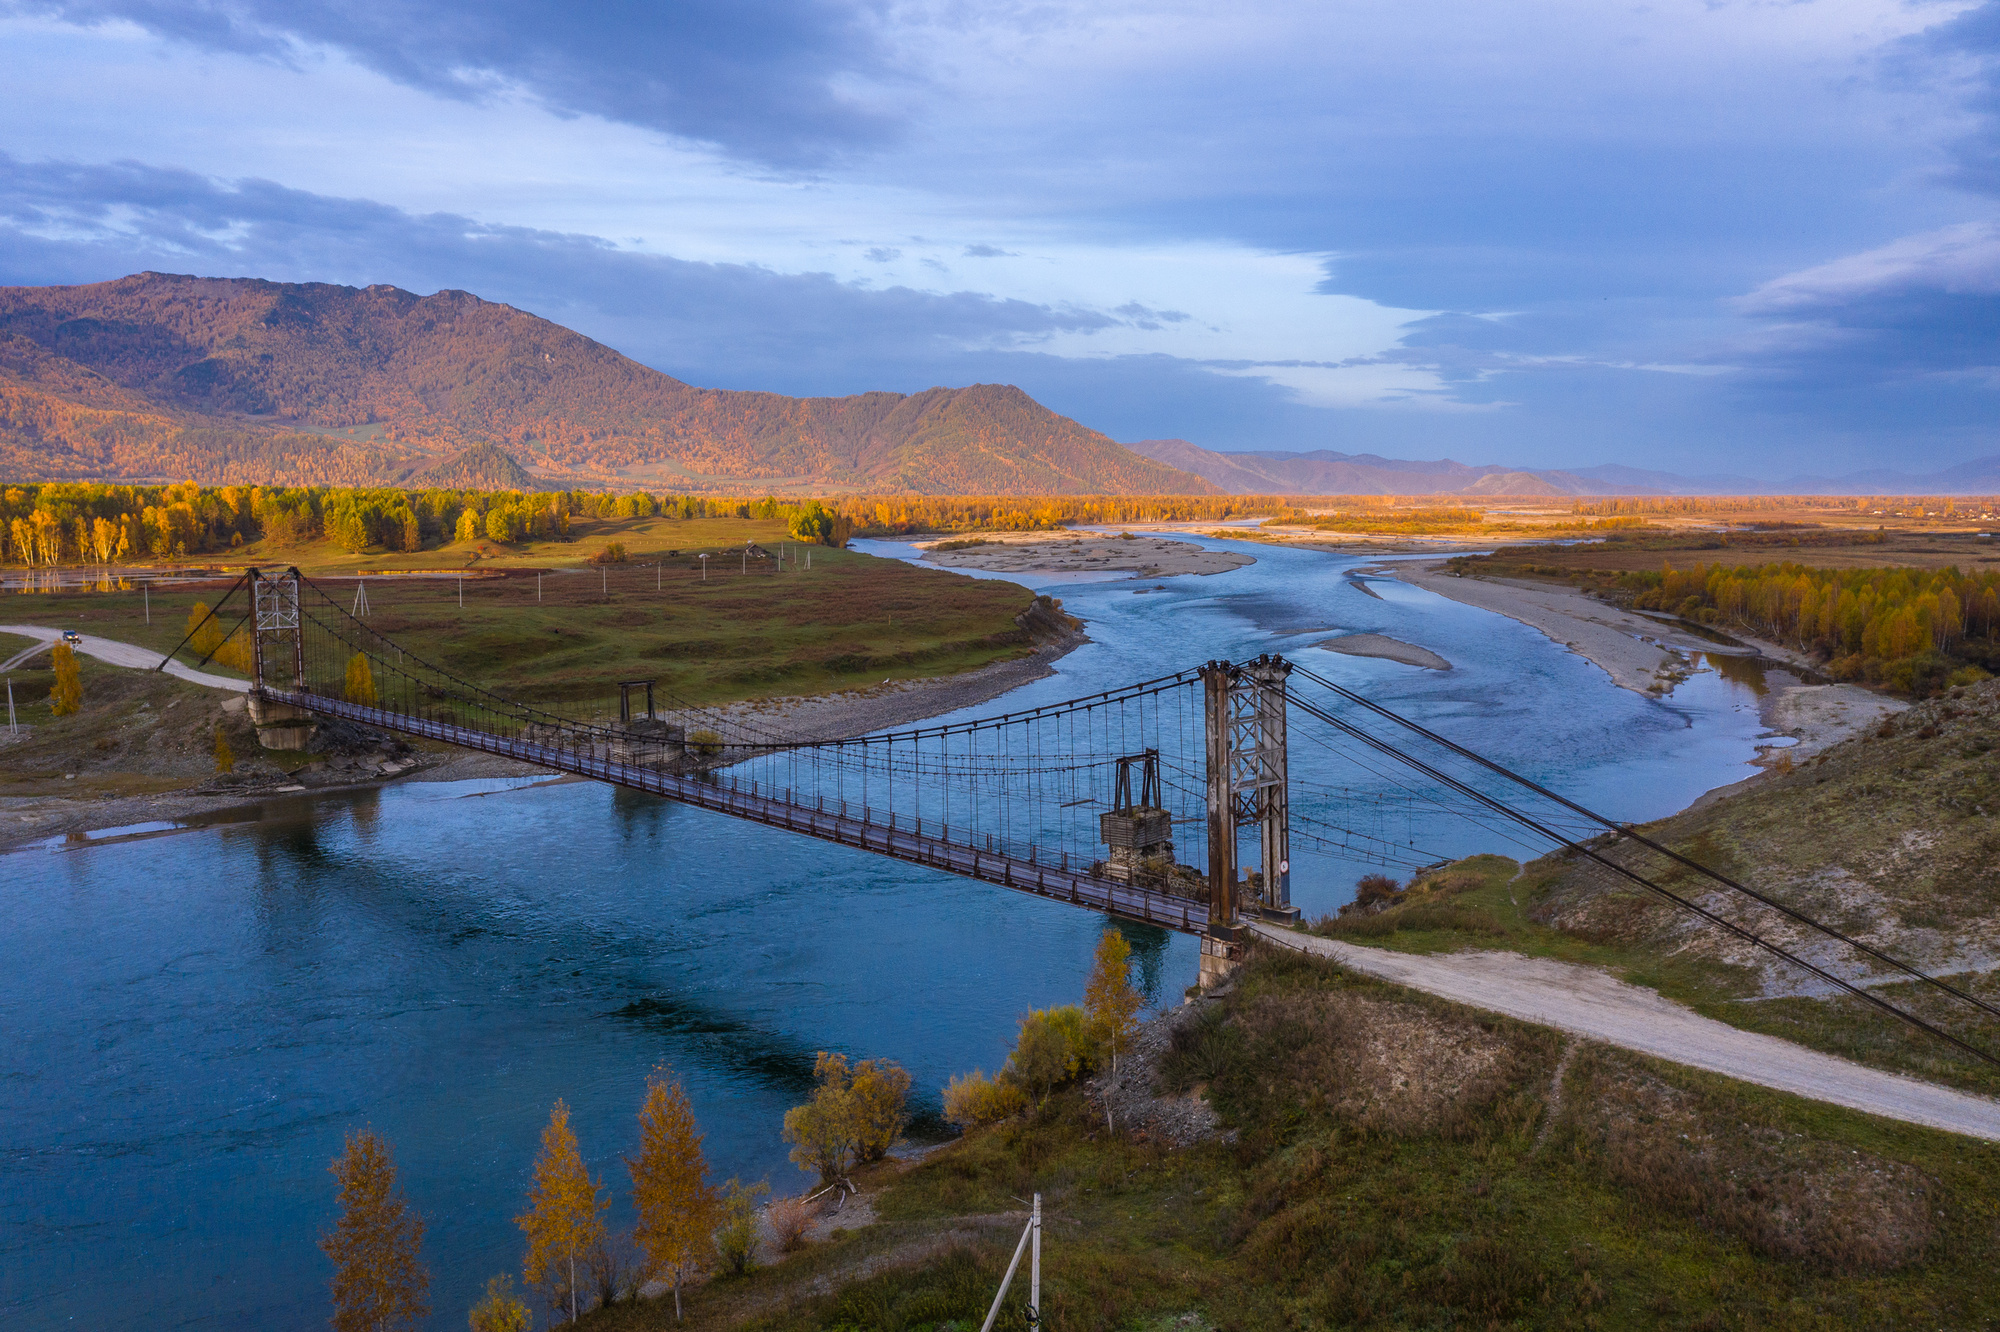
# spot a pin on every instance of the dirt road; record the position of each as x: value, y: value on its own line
x: 1587, y: 1002
x: 118, y: 654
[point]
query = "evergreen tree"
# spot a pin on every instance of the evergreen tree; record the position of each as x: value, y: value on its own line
x: 564, y: 1217
x: 677, y: 1206
x: 379, y: 1283
x: 67, y: 695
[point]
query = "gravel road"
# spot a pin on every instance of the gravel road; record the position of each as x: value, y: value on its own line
x: 118, y: 654
x: 1587, y: 1002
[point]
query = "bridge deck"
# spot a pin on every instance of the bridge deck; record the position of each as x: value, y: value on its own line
x: 722, y: 796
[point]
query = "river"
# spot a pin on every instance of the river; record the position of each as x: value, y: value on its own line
x: 194, y: 1020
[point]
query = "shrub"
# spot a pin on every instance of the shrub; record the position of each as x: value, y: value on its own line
x: 736, y: 1237
x: 614, y: 553
x: 974, y: 1099
x: 790, y: 1218
x: 1053, y: 1047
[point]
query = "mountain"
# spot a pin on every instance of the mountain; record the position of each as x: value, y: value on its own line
x: 158, y: 376
x: 1324, y: 472
x: 481, y: 467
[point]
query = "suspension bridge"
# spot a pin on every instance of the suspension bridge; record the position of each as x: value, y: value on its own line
x: 1170, y: 801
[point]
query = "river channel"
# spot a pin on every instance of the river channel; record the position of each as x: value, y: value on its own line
x: 194, y: 1020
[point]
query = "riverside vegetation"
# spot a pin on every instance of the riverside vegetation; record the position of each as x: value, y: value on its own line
x: 1380, y: 1159
x: 1389, y: 1160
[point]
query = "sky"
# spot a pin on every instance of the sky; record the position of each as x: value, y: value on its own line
x: 1752, y: 237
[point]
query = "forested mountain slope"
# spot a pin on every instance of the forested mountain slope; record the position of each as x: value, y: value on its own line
x: 229, y: 379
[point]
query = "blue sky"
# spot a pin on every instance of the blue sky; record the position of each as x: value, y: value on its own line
x: 1751, y: 237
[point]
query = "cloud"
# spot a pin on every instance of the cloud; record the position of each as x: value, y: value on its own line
x: 1964, y: 54
x: 1924, y: 307
x: 793, y: 82
x: 881, y: 254
x: 740, y: 323
x: 988, y: 252
x: 1149, y: 319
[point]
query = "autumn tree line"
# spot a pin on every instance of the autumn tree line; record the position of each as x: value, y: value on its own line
x: 1913, y: 506
x: 687, y: 1229
x: 1911, y: 629
x: 75, y: 523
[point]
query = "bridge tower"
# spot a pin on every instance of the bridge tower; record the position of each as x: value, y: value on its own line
x: 276, y: 605
x: 1244, y: 722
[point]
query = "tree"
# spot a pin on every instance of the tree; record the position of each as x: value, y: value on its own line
x: 500, y: 1311
x: 822, y: 1131
x: 1110, y: 1001
x: 225, y: 757
x: 1053, y: 1047
x: 564, y: 1217
x: 378, y: 1282
x: 736, y: 1236
x: 880, y: 1090
x: 360, y: 681
x: 67, y: 695
x: 469, y: 526
x: 854, y: 1116
x: 677, y: 1206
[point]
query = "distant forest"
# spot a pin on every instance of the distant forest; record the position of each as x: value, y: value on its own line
x: 90, y: 523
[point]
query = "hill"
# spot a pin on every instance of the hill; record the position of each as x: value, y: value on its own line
x: 239, y: 379
x: 1325, y: 472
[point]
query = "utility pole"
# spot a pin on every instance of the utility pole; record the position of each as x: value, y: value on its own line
x: 12, y: 723
x: 704, y: 567
x: 1035, y: 1270
x: 538, y: 587
x: 604, y: 581
x: 746, y: 557
x: 461, y: 591
x: 146, y: 591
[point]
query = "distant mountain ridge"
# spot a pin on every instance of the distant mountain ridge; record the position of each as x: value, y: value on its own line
x: 1325, y: 472
x: 159, y: 376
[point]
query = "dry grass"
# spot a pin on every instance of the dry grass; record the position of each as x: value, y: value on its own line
x: 1786, y: 1194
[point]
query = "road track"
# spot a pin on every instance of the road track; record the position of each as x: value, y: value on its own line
x: 1587, y: 1002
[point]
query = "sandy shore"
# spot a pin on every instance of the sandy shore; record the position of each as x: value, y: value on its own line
x: 1651, y: 656
x: 1080, y: 552
x: 1637, y: 653
x: 1383, y: 646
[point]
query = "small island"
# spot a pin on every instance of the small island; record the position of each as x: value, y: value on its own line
x: 1080, y: 552
x: 1391, y: 649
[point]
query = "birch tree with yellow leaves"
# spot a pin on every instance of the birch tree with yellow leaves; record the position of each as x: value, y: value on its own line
x: 565, y: 1213
x: 677, y: 1206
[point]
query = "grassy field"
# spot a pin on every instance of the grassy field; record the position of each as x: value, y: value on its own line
x: 1654, y: 549
x: 1403, y: 1163
x: 741, y: 629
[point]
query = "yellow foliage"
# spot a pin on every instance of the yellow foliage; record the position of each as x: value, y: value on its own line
x: 565, y: 1211
x: 225, y: 757
x: 67, y: 695
x: 1109, y: 999
x: 360, y: 681
x: 855, y: 1115
x: 677, y: 1206
x: 974, y: 1099
x: 500, y: 1311
x: 378, y: 1281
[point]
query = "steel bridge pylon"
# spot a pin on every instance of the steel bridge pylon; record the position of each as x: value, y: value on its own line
x: 278, y: 631
x: 1248, y: 783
